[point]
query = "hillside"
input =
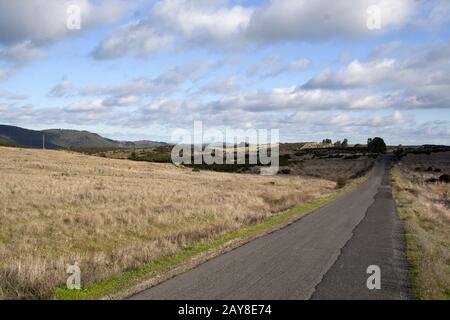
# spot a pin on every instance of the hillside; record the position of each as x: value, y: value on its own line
x: 73, y: 138
x: 61, y: 139
x: 17, y: 136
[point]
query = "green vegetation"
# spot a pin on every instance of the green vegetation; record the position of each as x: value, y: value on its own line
x: 63, y: 139
x: 74, y: 139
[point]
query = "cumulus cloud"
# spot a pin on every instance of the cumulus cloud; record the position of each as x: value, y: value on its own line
x: 356, y: 74
x: 196, y: 21
x: 28, y: 26
x: 218, y: 24
x: 417, y: 80
x: 45, y: 21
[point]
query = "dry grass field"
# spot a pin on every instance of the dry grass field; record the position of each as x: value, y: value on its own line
x: 425, y: 209
x: 57, y: 208
x: 332, y: 169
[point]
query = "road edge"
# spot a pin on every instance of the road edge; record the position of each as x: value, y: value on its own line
x: 148, y: 276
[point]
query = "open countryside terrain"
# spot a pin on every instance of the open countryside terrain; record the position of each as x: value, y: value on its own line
x: 58, y: 208
x: 423, y: 203
x: 304, y: 159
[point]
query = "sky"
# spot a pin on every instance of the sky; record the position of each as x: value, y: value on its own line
x: 134, y: 70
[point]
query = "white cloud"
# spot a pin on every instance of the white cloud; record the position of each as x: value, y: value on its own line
x: 218, y: 24
x: 44, y: 21
x: 222, y: 86
x: 165, y: 84
x: 273, y: 65
x: 12, y: 96
x: 27, y: 26
x: 86, y: 106
x: 418, y: 78
x: 323, y: 20
x: 137, y: 39
x: 4, y: 74
x: 297, y: 98
x: 20, y: 53
x: 62, y: 89
x: 356, y: 74
x: 340, y: 119
x: 130, y: 100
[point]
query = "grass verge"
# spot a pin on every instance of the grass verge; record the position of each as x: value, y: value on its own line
x: 155, y: 269
x: 426, y: 234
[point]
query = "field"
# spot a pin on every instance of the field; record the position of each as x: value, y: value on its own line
x: 111, y: 216
x: 424, y: 206
x: 297, y: 159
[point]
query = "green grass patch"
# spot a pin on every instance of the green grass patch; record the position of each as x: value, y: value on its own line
x: 130, y: 278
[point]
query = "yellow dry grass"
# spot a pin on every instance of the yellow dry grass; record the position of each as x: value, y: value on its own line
x: 57, y: 208
x: 424, y: 208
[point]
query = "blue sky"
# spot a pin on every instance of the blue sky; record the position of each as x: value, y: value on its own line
x: 313, y: 69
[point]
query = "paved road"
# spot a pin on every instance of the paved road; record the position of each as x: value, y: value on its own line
x: 325, y: 255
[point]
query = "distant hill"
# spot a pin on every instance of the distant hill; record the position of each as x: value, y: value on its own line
x: 141, y: 144
x: 62, y: 139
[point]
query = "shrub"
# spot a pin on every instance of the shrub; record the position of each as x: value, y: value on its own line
x: 341, y: 182
x: 286, y: 171
x: 444, y: 178
x: 132, y: 156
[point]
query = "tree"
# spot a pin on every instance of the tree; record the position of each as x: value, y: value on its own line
x: 345, y: 143
x: 326, y: 141
x: 376, y: 145
x: 338, y: 144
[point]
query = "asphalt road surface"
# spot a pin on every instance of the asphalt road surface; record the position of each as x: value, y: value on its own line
x: 325, y: 255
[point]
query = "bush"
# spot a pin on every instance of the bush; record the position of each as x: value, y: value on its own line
x: 444, y: 178
x: 341, y: 182
x: 286, y: 171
